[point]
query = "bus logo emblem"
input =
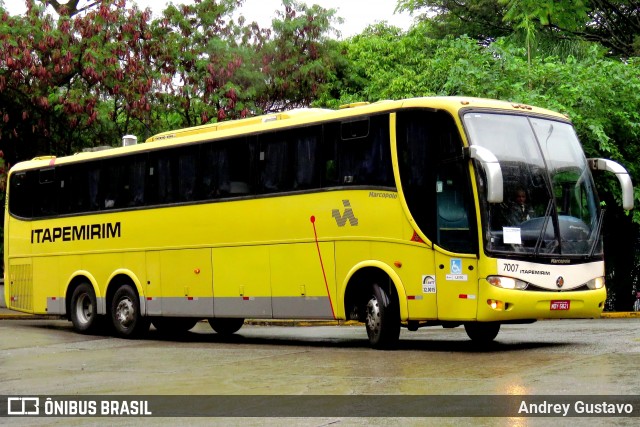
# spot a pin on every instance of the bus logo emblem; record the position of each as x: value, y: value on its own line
x: 341, y: 219
x: 560, y: 282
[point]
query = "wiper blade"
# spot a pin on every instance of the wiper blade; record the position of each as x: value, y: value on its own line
x: 596, y: 233
x: 547, y: 215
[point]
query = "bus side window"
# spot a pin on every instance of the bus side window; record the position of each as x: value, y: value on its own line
x: 275, y: 162
x: 136, y: 181
x: 47, y: 192
x: 365, y: 158
x: 161, y: 177
x: 215, y: 171
x: 243, y: 166
x: 21, y: 187
x: 357, y: 152
x: 453, y: 222
x: 94, y: 187
x: 306, y: 158
x: 329, y: 150
x: 110, y: 184
x: 187, y: 174
x: 73, y: 188
x: 354, y: 160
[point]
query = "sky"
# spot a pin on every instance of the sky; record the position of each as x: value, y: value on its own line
x: 357, y: 14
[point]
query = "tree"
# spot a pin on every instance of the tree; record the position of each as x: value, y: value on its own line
x: 206, y: 65
x: 479, y: 19
x: 55, y: 75
x: 615, y: 24
x: 299, y: 60
x: 101, y: 69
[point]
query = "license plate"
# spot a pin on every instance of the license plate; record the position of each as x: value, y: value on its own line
x: 560, y: 305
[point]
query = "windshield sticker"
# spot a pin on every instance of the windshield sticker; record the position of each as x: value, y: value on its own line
x: 428, y: 284
x: 511, y: 236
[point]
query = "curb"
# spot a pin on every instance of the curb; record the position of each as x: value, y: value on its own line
x: 6, y: 314
x: 268, y: 322
x: 621, y: 315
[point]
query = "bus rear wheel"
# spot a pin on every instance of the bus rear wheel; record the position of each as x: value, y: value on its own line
x: 83, y: 309
x: 482, y: 333
x: 125, y: 313
x: 382, y: 319
x: 226, y: 326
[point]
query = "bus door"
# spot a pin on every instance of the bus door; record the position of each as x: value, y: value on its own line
x: 457, y: 285
x: 455, y: 259
x: 436, y: 186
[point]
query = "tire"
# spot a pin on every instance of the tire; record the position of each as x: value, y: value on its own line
x: 382, y: 319
x: 226, y: 326
x: 174, y: 325
x: 482, y: 333
x: 127, y: 320
x: 84, y: 309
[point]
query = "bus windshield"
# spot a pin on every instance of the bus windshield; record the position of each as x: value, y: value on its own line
x: 550, y: 206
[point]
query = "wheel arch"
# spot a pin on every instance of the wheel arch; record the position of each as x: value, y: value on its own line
x: 76, y: 279
x: 118, y: 279
x: 361, y: 276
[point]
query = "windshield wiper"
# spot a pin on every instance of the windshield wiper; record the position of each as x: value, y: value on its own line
x: 547, y: 215
x: 596, y: 232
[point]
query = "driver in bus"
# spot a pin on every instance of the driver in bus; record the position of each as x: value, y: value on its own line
x: 518, y: 211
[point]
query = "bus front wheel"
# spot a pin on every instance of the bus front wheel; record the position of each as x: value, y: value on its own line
x: 226, y: 326
x: 125, y: 313
x: 382, y: 319
x: 83, y: 309
x: 482, y: 333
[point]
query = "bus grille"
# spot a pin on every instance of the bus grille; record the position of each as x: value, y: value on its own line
x: 21, y: 287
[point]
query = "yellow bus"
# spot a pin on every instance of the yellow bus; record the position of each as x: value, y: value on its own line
x: 436, y: 211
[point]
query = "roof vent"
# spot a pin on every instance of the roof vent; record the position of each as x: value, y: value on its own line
x: 129, y: 140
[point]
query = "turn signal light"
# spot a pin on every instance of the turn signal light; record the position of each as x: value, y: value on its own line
x: 495, y: 304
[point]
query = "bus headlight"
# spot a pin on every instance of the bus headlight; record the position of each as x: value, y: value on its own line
x: 597, y: 283
x: 507, y: 282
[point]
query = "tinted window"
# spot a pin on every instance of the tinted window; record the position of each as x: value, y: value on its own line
x: 289, y: 160
x: 21, y: 186
x: 434, y: 178
x: 355, y: 152
x: 358, y: 157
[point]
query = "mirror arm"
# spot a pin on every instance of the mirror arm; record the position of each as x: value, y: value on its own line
x: 621, y: 173
x: 492, y: 170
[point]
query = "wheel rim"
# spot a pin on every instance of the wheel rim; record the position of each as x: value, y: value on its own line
x: 84, y: 309
x: 373, y: 316
x: 125, y: 312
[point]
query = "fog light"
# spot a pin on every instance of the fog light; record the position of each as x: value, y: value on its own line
x: 495, y: 304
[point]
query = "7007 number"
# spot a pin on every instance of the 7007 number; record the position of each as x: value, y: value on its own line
x: 510, y: 267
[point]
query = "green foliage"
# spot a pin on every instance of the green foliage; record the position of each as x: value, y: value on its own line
x: 300, y: 59
x: 612, y: 23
